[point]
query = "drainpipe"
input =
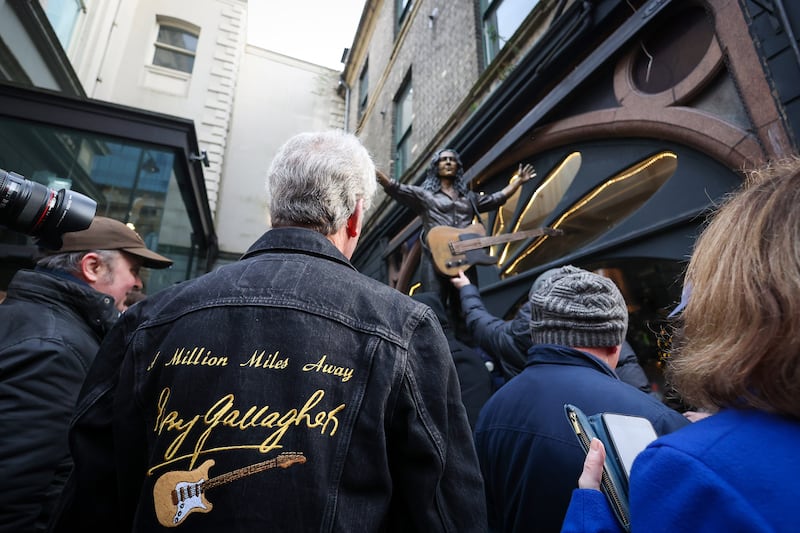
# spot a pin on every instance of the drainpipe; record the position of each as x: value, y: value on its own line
x: 346, y: 88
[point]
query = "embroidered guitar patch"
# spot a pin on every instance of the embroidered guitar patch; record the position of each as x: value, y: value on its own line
x: 178, y: 494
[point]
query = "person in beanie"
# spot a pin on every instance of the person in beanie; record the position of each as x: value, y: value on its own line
x: 51, y: 325
x: 508, y: 340
x: 529, y: 456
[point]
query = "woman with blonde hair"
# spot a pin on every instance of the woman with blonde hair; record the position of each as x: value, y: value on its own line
x: 737, y: 355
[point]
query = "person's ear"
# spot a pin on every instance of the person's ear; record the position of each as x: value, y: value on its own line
x: 613, y: 355
x: 355, y: 220
x: 91, y: 267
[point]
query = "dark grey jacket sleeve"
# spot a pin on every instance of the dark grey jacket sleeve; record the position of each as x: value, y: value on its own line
x: 505, y: 340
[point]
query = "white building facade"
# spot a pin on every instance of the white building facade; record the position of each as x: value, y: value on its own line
x: 190, y: 59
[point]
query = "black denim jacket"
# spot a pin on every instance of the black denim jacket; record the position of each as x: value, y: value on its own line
x: 285, y: 391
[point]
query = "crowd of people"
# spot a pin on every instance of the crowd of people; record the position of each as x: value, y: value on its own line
x: 289, y: 391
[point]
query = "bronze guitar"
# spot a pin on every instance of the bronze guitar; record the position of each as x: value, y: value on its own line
x: 178, y: 494
x: 455, y: 249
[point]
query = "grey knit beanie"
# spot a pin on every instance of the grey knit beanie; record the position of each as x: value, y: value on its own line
x: 575, y: 307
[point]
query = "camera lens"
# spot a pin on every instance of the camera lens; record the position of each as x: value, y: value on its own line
x: 33, y: 209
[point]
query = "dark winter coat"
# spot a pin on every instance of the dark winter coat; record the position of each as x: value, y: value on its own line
x: 50, y: 330
x: 530, y: 457
x: 473, y: 375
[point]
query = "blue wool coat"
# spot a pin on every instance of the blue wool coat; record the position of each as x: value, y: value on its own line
x: 51, y: 325
x: 734, y: 471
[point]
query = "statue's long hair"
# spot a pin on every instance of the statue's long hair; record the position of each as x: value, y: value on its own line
x: 432, y: 182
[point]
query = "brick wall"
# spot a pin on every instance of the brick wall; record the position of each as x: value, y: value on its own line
x: 442, y: 57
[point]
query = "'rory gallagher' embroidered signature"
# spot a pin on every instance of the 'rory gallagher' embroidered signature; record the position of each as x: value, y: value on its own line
x: 223, y: 413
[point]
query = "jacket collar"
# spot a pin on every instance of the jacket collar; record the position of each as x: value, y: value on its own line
x: 97, y: 309
x: 61, y: 274
x: 554, y: 354
x: 297, y: 240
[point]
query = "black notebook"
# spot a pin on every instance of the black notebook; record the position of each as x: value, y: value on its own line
x: 623, y: 436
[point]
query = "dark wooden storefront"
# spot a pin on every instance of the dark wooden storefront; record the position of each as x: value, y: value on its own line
x: 637, y: 126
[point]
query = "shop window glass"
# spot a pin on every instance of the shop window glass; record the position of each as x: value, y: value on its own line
x: 501, y: 18
x: 63, y: 16
x: 403, y: 8
x: 131, y: 182
x: 404, y: 117
x: 363, y: 90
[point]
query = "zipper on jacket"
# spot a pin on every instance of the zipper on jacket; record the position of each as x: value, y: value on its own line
x: 605, y: 481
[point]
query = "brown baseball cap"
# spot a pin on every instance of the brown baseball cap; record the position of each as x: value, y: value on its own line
x: 109, y: 234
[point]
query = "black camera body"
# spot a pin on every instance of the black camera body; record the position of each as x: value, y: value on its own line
x: 42, y: 212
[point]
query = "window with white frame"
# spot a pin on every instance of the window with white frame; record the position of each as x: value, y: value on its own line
x: 176, y: 45
x: 501, y: 19
x: 404, y: 116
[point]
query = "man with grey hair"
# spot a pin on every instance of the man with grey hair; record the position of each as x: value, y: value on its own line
x: 529, y: 455
x: 51, y: 325
x: 283, y: 392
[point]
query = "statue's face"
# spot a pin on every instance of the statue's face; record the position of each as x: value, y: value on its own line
x: 448, y: 165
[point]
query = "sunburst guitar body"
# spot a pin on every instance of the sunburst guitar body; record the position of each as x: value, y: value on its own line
x: 457, y: 249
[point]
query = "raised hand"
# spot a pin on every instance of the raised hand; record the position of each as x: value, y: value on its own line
x: 461, y: 280
x: 526, y: 172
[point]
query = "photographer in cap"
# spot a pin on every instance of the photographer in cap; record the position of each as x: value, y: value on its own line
x: 51, y: 325
x: 529, y: 455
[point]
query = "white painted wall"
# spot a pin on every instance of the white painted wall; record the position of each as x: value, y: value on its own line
x: 113, y: 56
x: 276, y: 97
x: 245, y: 101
